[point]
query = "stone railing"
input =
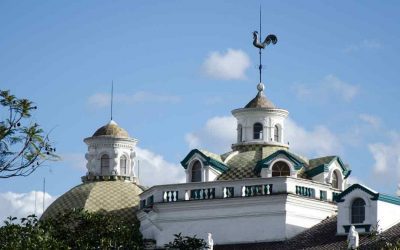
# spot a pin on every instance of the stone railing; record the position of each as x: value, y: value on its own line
x: 238, y: 188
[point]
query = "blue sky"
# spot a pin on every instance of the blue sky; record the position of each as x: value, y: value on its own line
x: 179, y: 68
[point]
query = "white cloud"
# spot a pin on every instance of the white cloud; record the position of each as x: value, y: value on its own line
x: 217, y: 135
x: 371, y: 120
x: 231, y: 65
x: 100, y: 100
x: 387, y: 156
x: 155, y: 170
x: 354, y: 180
x: 365, y: 44
x: 319, y: 141
x: 329, y: 88
x: 76, y: 160
x: 345, y: 90
x: 23, y: 204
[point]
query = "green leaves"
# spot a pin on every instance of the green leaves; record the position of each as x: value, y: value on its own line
x: 74, y: 229
x: 23, y: 145
x: 186, y: 243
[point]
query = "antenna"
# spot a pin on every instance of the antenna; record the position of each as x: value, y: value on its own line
x: 35, y: 201
x: 112, y: 97
x: 44, y: 190
x: 259, y: 52
x: 138, y: 169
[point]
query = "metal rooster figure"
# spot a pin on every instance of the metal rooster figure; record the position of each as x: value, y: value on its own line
x: 271, y: 38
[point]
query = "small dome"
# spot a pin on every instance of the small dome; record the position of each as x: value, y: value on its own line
x: 260, y: 101
x: 111, y: 129
x: 118, y: 198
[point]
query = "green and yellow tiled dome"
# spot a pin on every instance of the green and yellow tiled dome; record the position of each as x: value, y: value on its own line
x: 111, y: 129
x: 119, y: 198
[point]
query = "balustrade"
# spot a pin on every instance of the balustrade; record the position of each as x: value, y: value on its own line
x: 170, y: 196
x: 229, y: 192
x: 256, y: 190
x: 305, y: 191
x: 202, y: 194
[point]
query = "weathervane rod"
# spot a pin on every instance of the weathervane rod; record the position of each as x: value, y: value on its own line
x: 112, y: 97
x: 258, y: 43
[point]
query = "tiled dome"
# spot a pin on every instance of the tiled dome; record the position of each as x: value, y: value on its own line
x: 118, y: 198
x: 111, y: 129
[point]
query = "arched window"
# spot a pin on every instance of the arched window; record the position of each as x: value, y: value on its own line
x: 280, y: 169
x: 240, y: 133
x: 276, y: 133
x: 335, y: 182
x: 196, y: 171
x: 122, y: 165
x: 105, y: 164
x: 258, y: 131
x: 358, y: 211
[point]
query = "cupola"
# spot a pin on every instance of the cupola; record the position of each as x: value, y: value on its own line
x: 111, y: 154
x: 260, y: 123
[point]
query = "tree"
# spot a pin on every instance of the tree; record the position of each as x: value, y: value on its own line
x: 23, y: 144
x: 186, y: 243
x: 74, y: 229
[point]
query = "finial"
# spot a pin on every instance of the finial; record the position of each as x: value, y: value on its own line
x: 261, y: 45
x: 260, y: 87
x: 112, y: 97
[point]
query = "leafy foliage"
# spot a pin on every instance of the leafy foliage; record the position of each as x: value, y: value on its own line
x: 186, y: 243
x: 23, y: 145
x: 74, y: 229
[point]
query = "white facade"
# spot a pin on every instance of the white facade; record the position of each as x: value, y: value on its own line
x: 381, y: 211
x: 111, y: 156
x: 278, y: 211
x: 272, y: 121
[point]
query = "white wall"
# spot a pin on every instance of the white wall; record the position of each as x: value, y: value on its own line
x: 387, y: 215
x: 344, y: 210
x: 235, y: 220
x: 268, y: 118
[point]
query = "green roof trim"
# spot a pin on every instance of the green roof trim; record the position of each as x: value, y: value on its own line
x: 317, y: 170
x: 324, y: 168
x: 217, y: 165
x: 264, y: 163
x: 375, y: 196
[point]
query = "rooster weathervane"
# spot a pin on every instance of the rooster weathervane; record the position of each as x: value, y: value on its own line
x: 271, y: 38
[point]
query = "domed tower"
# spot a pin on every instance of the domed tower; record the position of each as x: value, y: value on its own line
x: 260, y: 123
x: 111, y: 154
x: 110, y: 184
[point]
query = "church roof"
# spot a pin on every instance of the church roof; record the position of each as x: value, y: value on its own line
x: 260, y: 101
x: 323, y: 236
x: 111, y: 129
x: 250, y: 159
x: 118, y: 198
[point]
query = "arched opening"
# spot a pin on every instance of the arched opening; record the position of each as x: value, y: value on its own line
x: 240, y: 133
x: 258, y: 131
x: 335, y: 180
x: 105, y: 164
x: 276, y: 134
x: 196, y: 171
x: 280, y: 169
x: 122, y: 165
x: 358, y: 211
